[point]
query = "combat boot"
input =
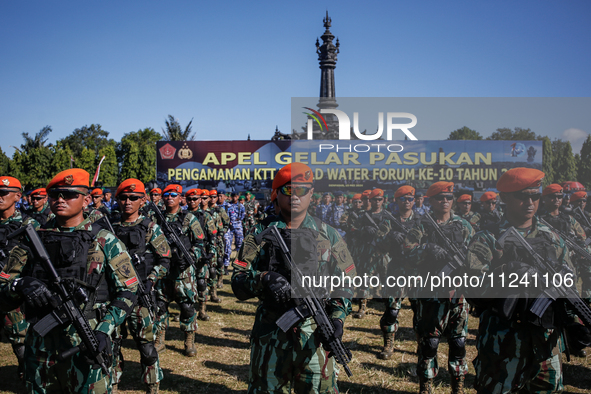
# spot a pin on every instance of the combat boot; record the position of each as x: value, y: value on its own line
x: 220, y: 281
x: 153, y: 388
x: 360, y: 314
x: 202, y: 315
x: 19, y: 352
x: 425, y: 385
x: 226, y: 271
x: 159, y: 343
x: 457, y: 384
x: 214, y: 295
x: 388, y: 349
x: 190, y: 350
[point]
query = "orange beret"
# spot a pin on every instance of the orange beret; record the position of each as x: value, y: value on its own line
x: 74, y: 177
x: 131, y: 185
x: 376, y: 193
x: 274, y: 195
x: 294, y: 172
x: 213, y: 192
x: 440, y: 187
x: 357, y: 196
x: 8, y: 182
x: 488, y: 196
x: 173, y: 188
x: 156, y: 190
x: 551, y: 189
x: 365, y: 194
x: 464, y: 197
x: 96, y: 192
x: 578, y: 196
x: 40, y: 192
x: 193, y: 192
x: 404, y: 190
x: 204, y: 192
x: 520, y: 178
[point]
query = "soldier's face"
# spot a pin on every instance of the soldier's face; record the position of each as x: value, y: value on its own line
x: 68, y: 204
x: 489, y: 206
x: 357, y: 204
x: 405, y: 203
x: 553, y: 201
x: 441, y: 203
x: 8, y: 198
x: 523, y: 205
x: 376, y: 203
x: 339, y: 200
x: 107, y: 196
x: 172, y: 201
x: 580, y: 203
x: 97, y: 200
x: 38, y: 201
x: 221, y: 198
x: 130, y: 203
x: 235, y: 199
x: 213, y: 200
x: 465, y: 207
x: 193, y: 202
x: 204, y: 201
x: 326, y: 200
x: 294, y: 205
x: 155, y: 197
x: 419, y: 201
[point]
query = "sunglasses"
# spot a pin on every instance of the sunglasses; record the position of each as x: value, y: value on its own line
x: 466, y: 202
x: 125, y: 197
x: 170, y: 194
x: 37, y: 198
x: 406, y: 199
x: 583, y: 200
x: 65, y: 194
x: 299, y: 191
x: 556, y: 196
x: 154, y: 195
x: 490, y: 202
x: 6, y: 192
x: 378, y: 199
x: 441, y: 197
x: 526, y: 196
x: 193, y: 198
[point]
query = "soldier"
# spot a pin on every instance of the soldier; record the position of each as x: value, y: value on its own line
x: 336, y: 211
x: 107, y: 200
x: 13, y: 323
x: 156, y: 197
x: 216, y: 268
x: 464, y: 203
x: 313, y: 204
x: 150, y: 254
x: 489, y: 214
x: 347, y: 219
x: 514, y: 354
x: 404, y: 198
x: 324, y: 207
x: 209, y: 226
x: 220, y: 208
x: 419, y: 207
x: 184, y: 280
x: 280, y: 361
x: 87, y: 258
x: 579, y: 199
x: 236, y: 214
x: 439, y: 314
x: 250, y: 209
x: 97, y: 202
x: 39, y: 209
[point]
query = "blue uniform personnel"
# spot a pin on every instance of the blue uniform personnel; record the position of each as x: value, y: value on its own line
x: 236, y: 213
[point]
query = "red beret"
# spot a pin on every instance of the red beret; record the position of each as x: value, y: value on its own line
x: 173, y: 188
x: 365, y: 194
x: 376, y: 193
x: 488, y: 196
x: 520, y: 178
x: 40, y: 192
x: 464, y: 197
x: 96, y: 192
x: 551, y: 189
x: 193, y: 192
x: 213, y: 192
x: 8, y: 182
x: 294, y: 172
x: 578, y: 196
x: 357, y: 196
x: 440, y: 187
x: 204, y: 192
x: 131, y: 185
x: 156, y: 190
x: 74, y: 177
x: 404, y: 190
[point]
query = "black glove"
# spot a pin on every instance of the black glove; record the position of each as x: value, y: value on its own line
x: 35, y: 293
x: 149, y: 286
x: 277, y: 288
x: 397, y: 237
x: 105, y: 346
x: 181, y: 261
x: 436, y: 252
x: 370, y: 230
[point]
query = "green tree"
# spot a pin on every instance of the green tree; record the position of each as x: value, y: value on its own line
x: 465, y: 133
x: 109, y: 168
x: 584, y: 168
x: 36, y: 142
x: 174, y: 132
x: 92, y: 137
x: 130, y: 167
x: 87, y: 161
x: 548, y: 159
x: 518, y: 134
x: 4, y: 163
x: 563, y: 162
x: 60, y: 157
x: 136, y: 154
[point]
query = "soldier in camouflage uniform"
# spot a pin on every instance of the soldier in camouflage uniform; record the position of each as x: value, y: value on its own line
x: 348, y: 217
x: 209, y: 225
x: 579, y: 199
x: 514, y: 354
x: 156, y: 197
x: 97, y: 202
x: 464, y: 203
x: 489, y: 213
x: 217, y: 262
x: 84, y: 256
x: 314, y: 204
x: 250, y: 210
x: 184, y: 280
x: 280, y: 362
x: 218, y: 211
x: 404, y: 198
x: 13, y: 323
x: 150, y: 254
x: 439, y: 313
x: 39, y: 209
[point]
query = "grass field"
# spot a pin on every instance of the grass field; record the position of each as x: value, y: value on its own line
x: 221, y: 365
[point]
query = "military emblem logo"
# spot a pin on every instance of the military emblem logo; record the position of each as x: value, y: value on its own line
x: 307, y: 175
x: 6, y: 182
x: 185, y: 152
x: 132, y: 187
x: 69, y: 179
x: 167, y: 152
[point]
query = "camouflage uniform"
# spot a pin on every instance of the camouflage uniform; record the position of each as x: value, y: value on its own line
x: 473, y: 218
x: 209, y: 225
x: 322, y: 212
x: 281, y: 361
x: 40, y: 216
x: 221, y: 221
x: 514, y: 354
x: 488, y: 218
x: 13, y: 323
x: 236, y: 214
x: 107, y: 264
x: 440, y: 314
x: 152, y: 263
x: 249, y: 211
x: 334, y: 217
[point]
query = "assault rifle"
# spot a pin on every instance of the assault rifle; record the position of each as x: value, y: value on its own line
x: 68, y: 312
x: 143, y: 296
x: 549, y: 295
x: 458, y: 257
x: 307, y: 305
x: 172, y: 236
x: 572, y: 244
x: 397, y: 222
x: 579, y: 214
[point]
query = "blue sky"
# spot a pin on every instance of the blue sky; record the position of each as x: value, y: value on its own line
x: 233, y: 67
